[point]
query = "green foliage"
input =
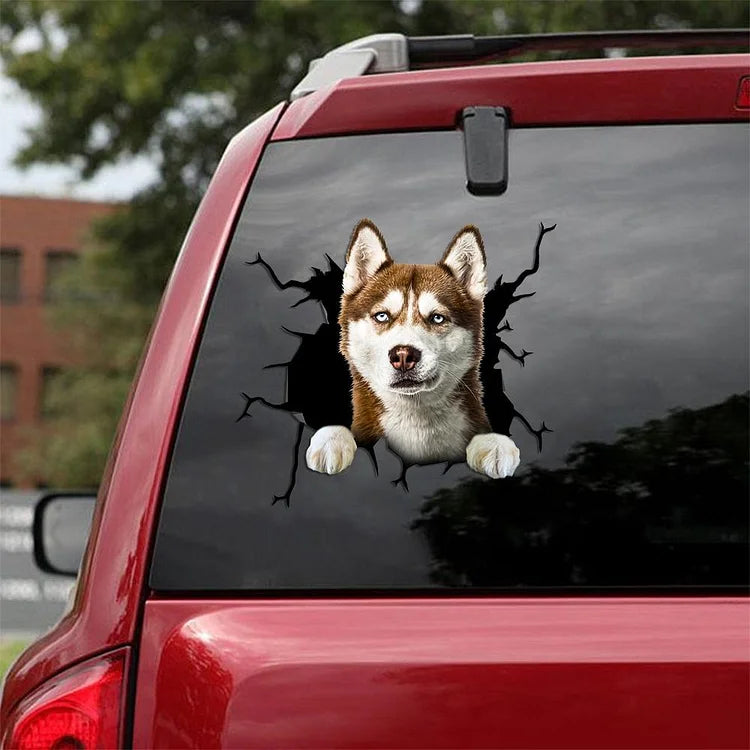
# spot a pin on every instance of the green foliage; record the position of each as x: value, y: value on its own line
x: 9, y: 652
x: 106, y: 323
x: 175, y: 80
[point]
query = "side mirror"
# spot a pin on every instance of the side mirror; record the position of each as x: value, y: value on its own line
x: 61, y: 529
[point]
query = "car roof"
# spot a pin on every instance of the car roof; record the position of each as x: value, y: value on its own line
x: 637, y: 90
x: 392, y: 53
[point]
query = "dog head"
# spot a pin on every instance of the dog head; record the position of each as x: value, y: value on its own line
x: 412, y: 329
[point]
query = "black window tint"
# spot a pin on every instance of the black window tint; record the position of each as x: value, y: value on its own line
x: 634, y: 349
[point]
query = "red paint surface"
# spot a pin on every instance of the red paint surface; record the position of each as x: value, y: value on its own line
x: 629, y: 90
x: 453, y: 673
x: 743, y: 94
x: 114, y: 568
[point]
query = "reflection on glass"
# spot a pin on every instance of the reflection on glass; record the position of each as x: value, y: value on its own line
x: 65, y: 531
x: 666, y: 503
x: 641, y: 306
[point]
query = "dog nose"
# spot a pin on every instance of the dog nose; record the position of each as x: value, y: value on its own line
x: 404, y: 358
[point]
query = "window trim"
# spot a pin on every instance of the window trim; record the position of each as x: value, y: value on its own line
x: 46, y: 371
x: 53, y: 253
x: 13, y: 368
x: 15, y: 252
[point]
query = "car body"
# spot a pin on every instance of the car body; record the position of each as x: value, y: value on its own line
x: 379, y: 667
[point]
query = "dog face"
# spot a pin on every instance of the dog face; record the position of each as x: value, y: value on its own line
x: 412, y: 329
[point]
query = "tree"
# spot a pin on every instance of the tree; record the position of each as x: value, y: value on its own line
x: 175, y: 80
x: 633, y: 511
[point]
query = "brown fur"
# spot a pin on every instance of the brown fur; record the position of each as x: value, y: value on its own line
x: 368, y: 409
x: 451, y: 295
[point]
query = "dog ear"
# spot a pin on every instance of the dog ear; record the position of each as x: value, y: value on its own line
x: 465, y: 259
x: 367, y: 253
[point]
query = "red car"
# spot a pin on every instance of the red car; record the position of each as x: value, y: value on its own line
x: 231, y: 597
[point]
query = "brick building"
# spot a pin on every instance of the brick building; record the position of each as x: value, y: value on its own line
x: 39, y: 239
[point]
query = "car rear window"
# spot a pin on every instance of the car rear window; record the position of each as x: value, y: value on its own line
x: 619, y: 364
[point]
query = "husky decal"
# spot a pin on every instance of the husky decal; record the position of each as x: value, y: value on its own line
x: 420, y: 346
x: 412, y: 335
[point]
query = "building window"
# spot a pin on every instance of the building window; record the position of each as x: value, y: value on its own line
x: 57, y: 264
x: 48, y: 400
x: 10, y: 275
x: 8, y: 392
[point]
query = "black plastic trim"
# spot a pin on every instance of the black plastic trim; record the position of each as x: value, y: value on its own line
x: 486, y: 149
x: 433, y: 50
x: 499, y: 592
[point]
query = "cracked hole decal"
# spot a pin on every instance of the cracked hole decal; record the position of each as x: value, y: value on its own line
x: 408, y: 353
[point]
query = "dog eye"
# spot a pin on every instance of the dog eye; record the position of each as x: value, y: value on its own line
x: 382, y: 317
x: 437, y: 318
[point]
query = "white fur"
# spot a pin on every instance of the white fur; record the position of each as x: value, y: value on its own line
x: 466, y: 261
x: 428, y: 304
x: 366, y: 255
x: 393, y: 302
x: 494, y: 455
x: 427, y: 424
x: 424, y: 428
x: 331, y: 450
x: 411, y: 308
x: 446, y: 354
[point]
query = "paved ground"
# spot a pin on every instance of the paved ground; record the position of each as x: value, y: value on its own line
x: 30, y: 601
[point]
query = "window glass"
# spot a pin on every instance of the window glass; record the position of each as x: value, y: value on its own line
x: 618, y: 363
x: 8, y: 392
x: 57, y: 264
x: 10, y: 275
x: 49, y: 396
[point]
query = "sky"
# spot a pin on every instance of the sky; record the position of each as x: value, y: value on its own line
x: 118, y: 182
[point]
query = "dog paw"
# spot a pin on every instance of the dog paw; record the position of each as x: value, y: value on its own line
x: 331, y: 450
x: 494, y: 455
